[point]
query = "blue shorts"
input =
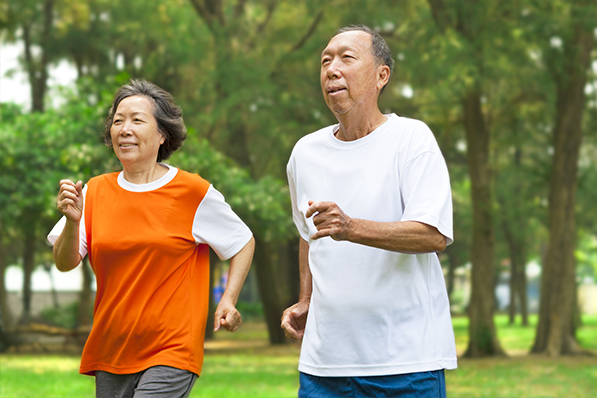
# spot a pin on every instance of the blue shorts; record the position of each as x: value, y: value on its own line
x: 410, y: 385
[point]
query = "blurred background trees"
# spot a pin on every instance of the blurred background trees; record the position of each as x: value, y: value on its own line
x: 508, y: 87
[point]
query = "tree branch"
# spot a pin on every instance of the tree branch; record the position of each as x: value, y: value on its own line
x: 203, y: 13
x: 239, y: 8
x: 440, y: 14
x: 309, y: 32
x: 270, y: 11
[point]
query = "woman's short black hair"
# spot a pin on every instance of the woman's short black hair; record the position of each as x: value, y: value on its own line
x: 167, y: 114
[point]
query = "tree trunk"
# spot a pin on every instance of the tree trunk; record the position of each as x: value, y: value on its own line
x: 269, y: 289
x: 482, y: 333
x: 518, y: 280
x: 5, y: 313
x: 38, y: 70
x: 514, y: 228
x: 29, y: 229
x: 453, y: 263
x: 555, y: 334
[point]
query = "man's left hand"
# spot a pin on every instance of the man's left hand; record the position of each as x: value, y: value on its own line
x: 329, y: 219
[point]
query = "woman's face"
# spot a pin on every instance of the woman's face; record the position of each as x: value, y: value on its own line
x: 135, y: 136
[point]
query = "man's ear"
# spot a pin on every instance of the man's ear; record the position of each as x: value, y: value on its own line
x: 383, y: 76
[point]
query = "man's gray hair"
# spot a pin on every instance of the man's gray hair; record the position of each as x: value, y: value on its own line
x: 379, y: 48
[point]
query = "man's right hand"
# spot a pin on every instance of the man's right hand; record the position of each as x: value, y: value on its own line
x: 70, y: 200
x: 294, y: 320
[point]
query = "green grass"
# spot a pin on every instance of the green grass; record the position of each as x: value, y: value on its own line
x: 517, y: 339
x: 43, y: 377
x: 248, y: 376
x: 523, y: 376
x: 233, y: 368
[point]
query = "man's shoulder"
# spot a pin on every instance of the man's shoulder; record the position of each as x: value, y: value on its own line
x: 407, y: 131
x: 316, y: 136
x: 313, y: 140
x: 407, y: 124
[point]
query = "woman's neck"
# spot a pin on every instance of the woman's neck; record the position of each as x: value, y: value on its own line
x: 144, y: 175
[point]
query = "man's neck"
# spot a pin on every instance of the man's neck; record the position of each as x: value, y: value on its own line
x: 358, y: 125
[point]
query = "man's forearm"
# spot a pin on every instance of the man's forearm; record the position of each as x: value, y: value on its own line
x: 306, y: 287
x: 401, y: 236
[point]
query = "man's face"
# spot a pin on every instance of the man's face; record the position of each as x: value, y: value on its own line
x: 349, y: 74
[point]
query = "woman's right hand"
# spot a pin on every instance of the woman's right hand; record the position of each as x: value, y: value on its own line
x: 70, y: 200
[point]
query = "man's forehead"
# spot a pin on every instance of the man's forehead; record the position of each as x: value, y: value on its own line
x: 354, y: 39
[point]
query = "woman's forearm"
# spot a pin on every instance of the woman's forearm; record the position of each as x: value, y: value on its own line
x: 66, y: 248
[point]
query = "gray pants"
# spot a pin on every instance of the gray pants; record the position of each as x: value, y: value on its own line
x: 157, y: 381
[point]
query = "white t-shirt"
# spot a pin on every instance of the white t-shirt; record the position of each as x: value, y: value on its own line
x: 373, y: 311
x: 215, y: 223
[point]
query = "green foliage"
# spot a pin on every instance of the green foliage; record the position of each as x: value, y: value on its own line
x: 248, y: 85
x: 263, y: 204
x: 250, y: 311
x: 65, y: 316
x: 39, y: 149
x: 586, y: 258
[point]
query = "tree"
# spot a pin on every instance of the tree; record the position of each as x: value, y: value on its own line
x: 38, y: 150
x: 469, y: 23
x: 570, y: 28
x: 250, y: 48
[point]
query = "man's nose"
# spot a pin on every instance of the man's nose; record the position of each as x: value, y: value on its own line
x: 333, y: 70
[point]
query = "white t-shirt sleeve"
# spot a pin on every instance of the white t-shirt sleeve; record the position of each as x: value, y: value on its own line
x: 59, y: 227
x: 426, y: 189
x: 297, y: 216
x: 217, y: 225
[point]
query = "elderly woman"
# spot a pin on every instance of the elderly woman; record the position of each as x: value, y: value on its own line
x: 147, y: 230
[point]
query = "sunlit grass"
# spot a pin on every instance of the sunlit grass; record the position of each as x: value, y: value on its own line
x: 523, y: 376
x: 248, y: 376
x: 517, y: 339
x: 263, y: 371
x: 43, y: 377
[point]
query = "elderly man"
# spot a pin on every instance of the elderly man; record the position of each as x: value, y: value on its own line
x: 372, y: 203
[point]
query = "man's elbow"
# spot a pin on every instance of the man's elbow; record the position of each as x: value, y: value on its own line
x: 440, y: 243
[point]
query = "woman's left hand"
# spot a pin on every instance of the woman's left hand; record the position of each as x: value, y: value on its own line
x: 227, y: 316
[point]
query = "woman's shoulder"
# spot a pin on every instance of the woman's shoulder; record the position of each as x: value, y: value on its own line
x: 192, y: 180
x: 193, y: 177
x: 106, y: 177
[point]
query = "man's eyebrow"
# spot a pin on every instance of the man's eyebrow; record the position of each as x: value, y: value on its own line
x: 340, y: 50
